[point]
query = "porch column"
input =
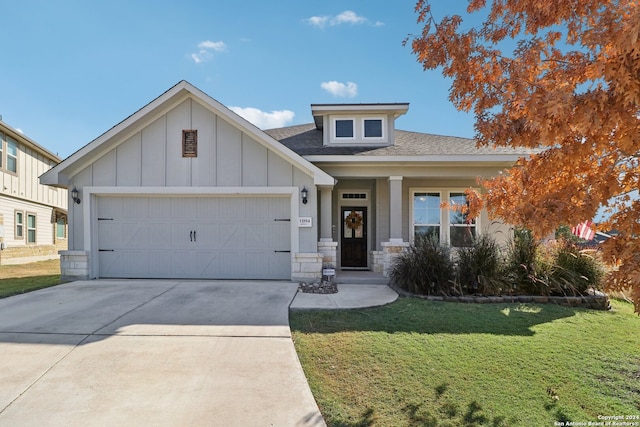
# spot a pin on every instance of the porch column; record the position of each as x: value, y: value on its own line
x: 395, y: 209
x: 325, y: 214
x: 326, y: 246
x: 395, y: 246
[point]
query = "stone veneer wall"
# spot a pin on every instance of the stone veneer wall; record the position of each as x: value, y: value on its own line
x: 27, y: 251
x: 390, y: 250
x: 306, y: 267
x: 74, y: 265
x: 328, y: 250
x: 377, y: 261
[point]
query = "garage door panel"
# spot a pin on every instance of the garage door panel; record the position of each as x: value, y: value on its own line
x: 194, y: 237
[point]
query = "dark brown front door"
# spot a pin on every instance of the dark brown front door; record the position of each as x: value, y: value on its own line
x: 354, y: 238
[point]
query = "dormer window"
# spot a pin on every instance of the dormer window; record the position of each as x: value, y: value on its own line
x: 357, y: 124
x: 344, y: 128
x: 372, y: 129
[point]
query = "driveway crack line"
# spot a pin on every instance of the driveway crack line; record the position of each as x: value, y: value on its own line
x: 132, y: 310
x: 46, y: 371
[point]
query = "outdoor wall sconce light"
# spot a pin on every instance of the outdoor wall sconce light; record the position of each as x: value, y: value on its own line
x: 74, y: 195
x: 305, y: 194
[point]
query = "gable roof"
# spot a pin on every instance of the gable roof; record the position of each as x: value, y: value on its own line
x: 59, y: 175
x: 306, y: 140
x: 25, y: 140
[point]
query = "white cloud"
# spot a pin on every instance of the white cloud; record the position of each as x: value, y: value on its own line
x: 209, y: 45
x: 318, y: 21
x: 348, y: 90
x: 346, y: 17
x: 207, y: 48
x: 263, y: 119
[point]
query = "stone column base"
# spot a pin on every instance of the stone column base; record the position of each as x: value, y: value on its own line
x: 74, y: 265
x: 377, y: 261
x: 306, y: 267
x: 328, y: 249
x: 390, y: 250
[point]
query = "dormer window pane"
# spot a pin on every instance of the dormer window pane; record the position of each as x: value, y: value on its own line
x: 344, y: 128
x: 373, y: 128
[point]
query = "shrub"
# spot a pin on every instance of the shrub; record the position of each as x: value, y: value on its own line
x: 480, y: 267
x: 576, y: 271
x: 424, y: 268
x: 526, y: 272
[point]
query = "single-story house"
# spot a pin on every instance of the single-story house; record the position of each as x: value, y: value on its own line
x: 186, y: 188
x: 33, y: 216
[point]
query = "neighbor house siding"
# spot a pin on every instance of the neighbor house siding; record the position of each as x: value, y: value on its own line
x: 22, y: 192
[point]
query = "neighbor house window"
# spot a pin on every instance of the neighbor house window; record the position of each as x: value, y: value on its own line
x: 372, y: 128
x: 60, y: 228
x: 19, y: 229
x: 1, y: 148
x: 31, y: 228
x: 12, y: 155
x: 426, y: 213
x: 462, y: 230
x: 344, y: 128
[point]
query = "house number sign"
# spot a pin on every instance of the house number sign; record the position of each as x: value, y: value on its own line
x: 190, y: 143
x: 304, y: 221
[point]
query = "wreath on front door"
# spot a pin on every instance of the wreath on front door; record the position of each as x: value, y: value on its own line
x: 353, y: 220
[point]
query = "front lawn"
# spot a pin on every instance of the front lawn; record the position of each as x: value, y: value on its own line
x: 417, y: 362
x: 21, y: 278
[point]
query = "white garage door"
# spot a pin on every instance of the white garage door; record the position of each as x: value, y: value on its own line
x: 194, y: 237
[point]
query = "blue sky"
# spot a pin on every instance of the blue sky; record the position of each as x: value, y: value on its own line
x: 72, y: 69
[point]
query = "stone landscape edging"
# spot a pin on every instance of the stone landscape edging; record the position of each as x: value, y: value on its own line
x: 596, y: 302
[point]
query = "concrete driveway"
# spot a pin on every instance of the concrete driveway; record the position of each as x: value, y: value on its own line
x: 172, y: 353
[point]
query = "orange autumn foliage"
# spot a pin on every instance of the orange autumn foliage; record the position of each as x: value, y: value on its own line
x: 561, y: 77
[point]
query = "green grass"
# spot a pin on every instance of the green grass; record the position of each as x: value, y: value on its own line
x: 416, y: 362
x: 18, y: 279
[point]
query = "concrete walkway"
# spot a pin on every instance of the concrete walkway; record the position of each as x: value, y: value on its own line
x: 348, y: 296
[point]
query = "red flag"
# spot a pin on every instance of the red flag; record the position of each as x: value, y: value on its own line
x: 583, y: 230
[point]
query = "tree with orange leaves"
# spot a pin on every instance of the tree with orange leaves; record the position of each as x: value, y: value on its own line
x: 561, y: 77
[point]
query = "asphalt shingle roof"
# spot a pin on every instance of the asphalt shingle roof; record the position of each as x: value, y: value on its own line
x: 306, y: 140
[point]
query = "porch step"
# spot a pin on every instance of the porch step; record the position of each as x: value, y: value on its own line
x: 360, y: 278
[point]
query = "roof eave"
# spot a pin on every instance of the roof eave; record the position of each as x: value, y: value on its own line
x: 451, y: 159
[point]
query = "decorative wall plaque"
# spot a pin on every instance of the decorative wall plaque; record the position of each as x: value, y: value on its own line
x: 190, y: 143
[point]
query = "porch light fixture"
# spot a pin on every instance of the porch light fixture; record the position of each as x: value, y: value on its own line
x: 305, y: 194
x: 74, y: 195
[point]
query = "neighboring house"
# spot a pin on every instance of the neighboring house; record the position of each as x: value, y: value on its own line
x: 33, y: 216
x: 186, y: 188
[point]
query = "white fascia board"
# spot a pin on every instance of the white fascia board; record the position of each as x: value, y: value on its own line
x: 54, y: 175
x: 397, y: 108
x: 477, y: 158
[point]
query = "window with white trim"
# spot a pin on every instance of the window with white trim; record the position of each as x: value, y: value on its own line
x: 372, y: 128
x: 19, y: 225
x: 344, y: 128
x: 12, y: 155
x: 462, y: 230
x: 31, y: 228
x: 429, y: 216
x: 61, y: 228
